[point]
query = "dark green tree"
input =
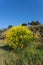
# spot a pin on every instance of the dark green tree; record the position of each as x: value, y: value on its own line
x: 24, y: 24
x: 10, y: 26
x: 34, y: 23
x: 1, y: 31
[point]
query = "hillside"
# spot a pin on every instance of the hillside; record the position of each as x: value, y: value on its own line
x: 10, y: 57
x: 39, y: 30
x: 35, y: 28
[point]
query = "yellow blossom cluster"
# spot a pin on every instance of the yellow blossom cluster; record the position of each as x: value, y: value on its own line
x: 19, y: 36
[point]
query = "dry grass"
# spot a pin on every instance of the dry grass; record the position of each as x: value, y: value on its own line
x: 2, y: 42
x: 6, y: 56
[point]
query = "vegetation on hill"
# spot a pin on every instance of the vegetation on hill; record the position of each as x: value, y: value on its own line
x: 22, y: 45
x: 20, y: 37
x: 34, y: 23
x: 24, y: 24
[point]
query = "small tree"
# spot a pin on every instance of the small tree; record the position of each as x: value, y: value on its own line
x: 10, y: 26
x: 24, y: 24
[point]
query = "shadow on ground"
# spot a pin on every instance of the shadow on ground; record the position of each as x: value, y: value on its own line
x: 6, y: 48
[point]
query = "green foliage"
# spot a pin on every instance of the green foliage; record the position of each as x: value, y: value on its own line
x: 1, y: 31
x: 10, y: 26
x: 24, y: 24
x: 34, y: 23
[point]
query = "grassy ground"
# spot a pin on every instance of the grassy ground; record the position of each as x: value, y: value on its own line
x: 9, y: 55
x: 6, y: 53
x: 2, y: 43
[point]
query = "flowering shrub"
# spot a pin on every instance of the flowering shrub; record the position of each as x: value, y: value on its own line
x: 19, y: 37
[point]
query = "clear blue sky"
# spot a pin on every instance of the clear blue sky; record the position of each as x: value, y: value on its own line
x: 16, y: 12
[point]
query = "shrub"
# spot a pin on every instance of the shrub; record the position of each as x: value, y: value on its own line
x: 19, y: 37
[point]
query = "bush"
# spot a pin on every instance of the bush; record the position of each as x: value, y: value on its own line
x: 19, y: 37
